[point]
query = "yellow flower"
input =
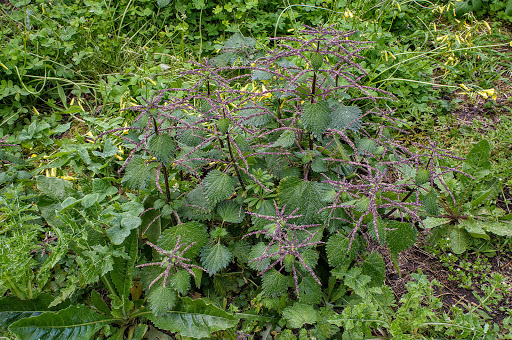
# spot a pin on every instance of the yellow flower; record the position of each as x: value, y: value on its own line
x: 488, y: 93
x: 464, y: 87
x: 51, y: 173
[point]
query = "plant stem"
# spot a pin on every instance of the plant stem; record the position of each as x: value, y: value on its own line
x: 403, y: 200
x: 164, y: 169
x: 234, y: 164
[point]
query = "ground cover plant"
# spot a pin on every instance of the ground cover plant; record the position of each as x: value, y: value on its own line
x: 265, y: 190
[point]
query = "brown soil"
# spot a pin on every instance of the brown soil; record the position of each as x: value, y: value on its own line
x: 416, y: 259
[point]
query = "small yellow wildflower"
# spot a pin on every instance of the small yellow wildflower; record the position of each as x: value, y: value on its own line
x: 464, y: 87
x: 51, y: 173
x: 488, y: 93
x: 488, y: 27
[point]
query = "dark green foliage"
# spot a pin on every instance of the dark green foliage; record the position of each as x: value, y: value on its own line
x: 218, y: 186
x: 274, y: 283
x: 138, y: 174
x: 400, y: 236
x: 316, y: 117
x: 307, y: 196
x: 215, y: 257
x: 162, y: 147
x: 190, y: 232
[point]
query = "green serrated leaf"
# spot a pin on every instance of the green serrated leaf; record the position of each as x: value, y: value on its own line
x: 230, y: 211
x: 337, y: 251
x: 241, y: 250
x: 194, y: 318
x: 215, y: 258
x: 316, y: 60
x: 218, y: 186
x: 190, y: 232
x: 375, y: 268
x: 400, y: 236
x: 319, y: 165
x: 266, y: 209
x: 299, y: 314
x: 316, y: 117
x: 430, y: 203
x: 257, y: 116
x: 162, y: 3
x: 180, y: 281
x: 162, y: 147
x: 308, y: 196
x: 345, y: 117
x: 75, y: 322
x: 367, y: 145
x: 198, y: 207
x: 137, y: 174
x: 310, y: 292
x: 286, y: 139
x: 256, y: 251
x: 274, y: 283
x: 378, y: 232
x: 162, y: 299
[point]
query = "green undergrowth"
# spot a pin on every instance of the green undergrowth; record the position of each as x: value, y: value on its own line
x: 169, y: 170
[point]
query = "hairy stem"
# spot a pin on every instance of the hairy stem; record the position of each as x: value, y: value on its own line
x: 235, y: 164
x: 164, y: 170
x: 411, y: 190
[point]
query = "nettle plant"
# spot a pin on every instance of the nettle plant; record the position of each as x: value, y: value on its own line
x: 272, y: 173
x: 293, y: 139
